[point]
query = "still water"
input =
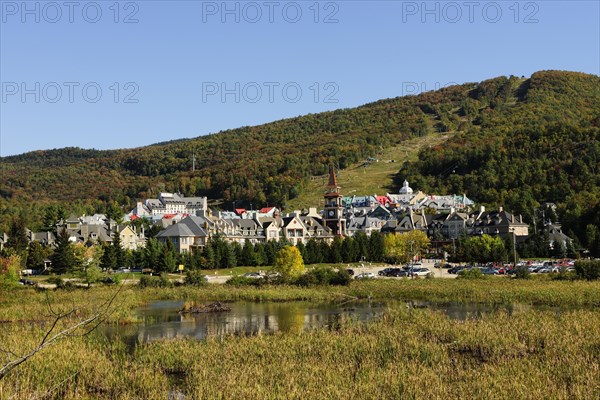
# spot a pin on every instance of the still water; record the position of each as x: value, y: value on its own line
x: 162, y: 320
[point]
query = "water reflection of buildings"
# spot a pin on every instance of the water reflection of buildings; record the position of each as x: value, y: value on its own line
x: 246, y: 319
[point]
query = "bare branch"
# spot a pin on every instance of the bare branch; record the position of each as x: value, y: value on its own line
x: 90, y: 324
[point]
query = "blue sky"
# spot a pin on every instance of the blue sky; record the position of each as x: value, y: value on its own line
x: 110, y: 74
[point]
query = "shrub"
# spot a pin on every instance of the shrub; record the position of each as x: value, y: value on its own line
x: 8, y: 270
x: 588, y: 269
x: 563, y: 275
x: 59, y: 282
x: 195, y: 278
x: 244, y: 281
x: 324, y: 275
x: 471, y: 273
x: 92, y: 275
x: 522, y: 273
x: 161, y: 281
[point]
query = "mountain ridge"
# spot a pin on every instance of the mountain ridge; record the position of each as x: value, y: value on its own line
x: 272, y: 163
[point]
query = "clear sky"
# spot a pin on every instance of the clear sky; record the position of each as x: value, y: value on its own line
x: 110, y: 74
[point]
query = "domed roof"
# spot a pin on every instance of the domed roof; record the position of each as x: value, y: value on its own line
x: 405, y: 188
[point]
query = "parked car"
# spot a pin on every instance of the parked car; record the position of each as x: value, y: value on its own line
x: 253, y: 275
x: 365, y: 275
x: 489, y: 271
x: 397, y: 273
x: 391, y: 272
x: 419, y: 272
x: 456, y: 270
x: 28, y: 282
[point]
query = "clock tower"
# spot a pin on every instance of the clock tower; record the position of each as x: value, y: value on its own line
x: 334, y: 210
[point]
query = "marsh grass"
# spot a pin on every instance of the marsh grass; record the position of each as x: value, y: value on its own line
x: 407, y: 353
x: 404, y: 354
x: 26, y: 304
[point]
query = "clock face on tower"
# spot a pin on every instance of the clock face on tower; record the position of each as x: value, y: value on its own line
x: 331, y: 213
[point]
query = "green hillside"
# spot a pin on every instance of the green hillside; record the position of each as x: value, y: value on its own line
x: 514, y: 141
x: 371, y: 177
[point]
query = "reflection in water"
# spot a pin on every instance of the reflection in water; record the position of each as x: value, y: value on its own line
x: 161, y: 320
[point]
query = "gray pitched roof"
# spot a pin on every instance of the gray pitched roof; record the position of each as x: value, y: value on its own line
x: 177, y: 230
x: 188, y: 227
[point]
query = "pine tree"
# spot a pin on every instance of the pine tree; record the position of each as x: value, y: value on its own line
x: 208, y: 255
x: 63, y: 258
x: 36, y: 256
x: 109, y: 258
x: 17, y: 235
x: 336, y: 251
x: 168, y: 258
x: 118, y: 251
x: 376, y: 247
x: 247, y: 258
x: 270, y: 252
x: 300, y: 246
x: 259, y: 253
x: 152, y: 254
x: 229, y: 260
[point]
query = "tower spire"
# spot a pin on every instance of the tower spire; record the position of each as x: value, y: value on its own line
x: 334, y: 210
x: 332, y: 179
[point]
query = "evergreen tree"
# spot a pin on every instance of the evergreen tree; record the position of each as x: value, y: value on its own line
x: 313, y: 252
x: 109, y: 258
x: 362, y: 246
x: 270, y: 252
x: 228, y: 260
x: 571, y: 250
x: 63, y: 258
x: 138, y: 259
x: 559, y: 250
x: 17, y: 235
x: 592, y: 236
x: 50, y: 218
x: 259, y: 254
x: 152, y: 254
x: 114, y: 212
x: 247, y: 258
x: 208, y: 255
x: 336, y: 250
x: 376, y: 247
x: 168, y: 258
x: 324, y: 254
x: 349, y: 250
x: 302, y: 249
x: 36, y: 256
x: 237, y: 250
x: 118, y: 252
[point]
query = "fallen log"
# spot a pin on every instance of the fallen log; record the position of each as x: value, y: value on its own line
x: 215, y: 307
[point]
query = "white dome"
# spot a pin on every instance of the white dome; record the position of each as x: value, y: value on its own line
x: 405, y: 188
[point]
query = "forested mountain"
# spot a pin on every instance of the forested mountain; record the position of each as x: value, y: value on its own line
x: 517, y: 142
